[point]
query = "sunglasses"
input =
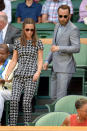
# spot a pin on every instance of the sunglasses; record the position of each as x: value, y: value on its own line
x: 65, y: 16
x: 29, y: 30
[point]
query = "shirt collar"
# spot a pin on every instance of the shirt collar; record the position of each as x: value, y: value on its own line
x: 33, y: 4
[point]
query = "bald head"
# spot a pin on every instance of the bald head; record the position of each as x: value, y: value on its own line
x: 3, y: 16
x: 3, y: 20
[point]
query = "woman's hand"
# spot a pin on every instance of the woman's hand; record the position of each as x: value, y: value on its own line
x: 36, y: 76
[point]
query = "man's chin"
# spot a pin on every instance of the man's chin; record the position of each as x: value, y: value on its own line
x: 63, y: 24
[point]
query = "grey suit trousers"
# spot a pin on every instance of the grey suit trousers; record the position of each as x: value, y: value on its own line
x: 59, y: 84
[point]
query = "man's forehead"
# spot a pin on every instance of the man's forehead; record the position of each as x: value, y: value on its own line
x: 63, y: 10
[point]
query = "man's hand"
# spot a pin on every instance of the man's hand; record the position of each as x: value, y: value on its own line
x: 45, y: 66
x: 54, y: 48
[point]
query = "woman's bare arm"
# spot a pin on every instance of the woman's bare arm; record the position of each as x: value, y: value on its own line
x: 12, y: 64
x: 40, y: 64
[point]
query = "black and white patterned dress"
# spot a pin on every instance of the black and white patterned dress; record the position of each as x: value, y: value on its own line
x: 27, y: 58
x: 23, y: 75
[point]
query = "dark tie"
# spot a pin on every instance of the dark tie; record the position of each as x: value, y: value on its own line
x: 1, y: 37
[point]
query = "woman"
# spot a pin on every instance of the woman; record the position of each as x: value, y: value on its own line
x: 79, y: 119
x: 28, y: 51
x: 5, y: 6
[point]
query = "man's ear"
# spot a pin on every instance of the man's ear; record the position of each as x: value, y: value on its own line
x: 70, y: 16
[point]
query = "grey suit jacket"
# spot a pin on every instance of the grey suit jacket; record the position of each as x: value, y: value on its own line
x: 69, y: 43
x: 11, y: 34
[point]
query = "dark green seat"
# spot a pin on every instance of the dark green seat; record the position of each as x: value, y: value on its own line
x: 76, y: 5
x: 6, y: 109
x: 81, y: 64
x: 14, y: 6
x: 81, y: 57
x: 65, y: 104
x: 48, y: 28
x: 85, y: 88
x: 81, y: 26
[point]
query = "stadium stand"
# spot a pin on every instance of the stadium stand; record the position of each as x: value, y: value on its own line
x: 45, y: 31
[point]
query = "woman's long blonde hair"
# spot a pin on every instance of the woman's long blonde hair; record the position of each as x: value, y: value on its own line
x: 23, y: 36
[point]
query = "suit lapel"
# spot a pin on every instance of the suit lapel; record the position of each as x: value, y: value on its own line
x: 7, y: 35
x: 55, y: 34
x: 64, y: 31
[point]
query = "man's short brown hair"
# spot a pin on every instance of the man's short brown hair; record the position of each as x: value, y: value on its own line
x: 64, y: 7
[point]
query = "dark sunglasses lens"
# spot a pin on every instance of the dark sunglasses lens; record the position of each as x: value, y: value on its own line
x: 29, y: 30
x: 60, y: 16
x: 32, y: 30
x: 65, y: 16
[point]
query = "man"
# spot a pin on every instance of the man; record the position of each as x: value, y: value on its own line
x: 5, y: 86
x: 66, y: 41
x: 28, y: 9
x: 9, y: 32
x: 49, y: 10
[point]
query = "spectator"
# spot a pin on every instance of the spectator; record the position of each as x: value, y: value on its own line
x: 66, y: 41
x: 79, y: 119
x: 5, y: 86
x: 28, y: 52
x: 5, y: 6
x: 28, y: 9
x: 83, y: 11
x: 49, y: 10
x: 9, y: 32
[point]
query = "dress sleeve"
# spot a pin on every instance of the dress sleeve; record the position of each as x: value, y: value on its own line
x: 15, y: 47
x: 40, y: 45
